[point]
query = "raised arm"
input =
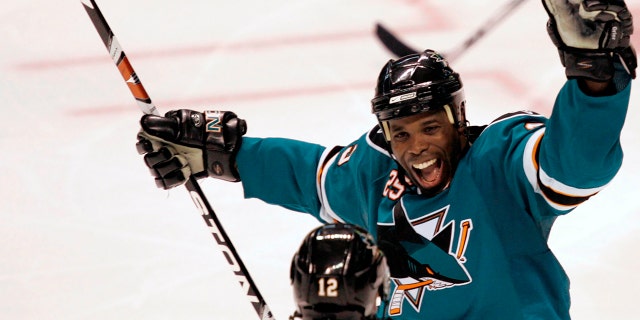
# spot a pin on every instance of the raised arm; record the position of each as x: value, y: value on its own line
x: 578, y: 152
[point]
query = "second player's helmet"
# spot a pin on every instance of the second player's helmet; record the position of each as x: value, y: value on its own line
x: 417, y: 83
x: 339, y: 273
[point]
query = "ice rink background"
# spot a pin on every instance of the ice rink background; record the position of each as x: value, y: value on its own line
x: 84, y: 233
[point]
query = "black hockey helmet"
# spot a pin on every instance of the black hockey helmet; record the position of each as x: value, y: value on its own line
x: 339, y: 273
x: 417, y: 83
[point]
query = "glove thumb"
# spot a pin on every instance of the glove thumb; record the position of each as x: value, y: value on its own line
x: 165, y: 128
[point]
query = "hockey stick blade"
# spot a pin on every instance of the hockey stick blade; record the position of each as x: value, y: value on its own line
x: 196, y: 193
x: 392, y: 42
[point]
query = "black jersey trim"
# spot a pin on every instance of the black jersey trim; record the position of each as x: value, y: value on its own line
x: 376, y: 140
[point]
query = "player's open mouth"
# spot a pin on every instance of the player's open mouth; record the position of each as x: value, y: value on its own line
x: 428, y: 173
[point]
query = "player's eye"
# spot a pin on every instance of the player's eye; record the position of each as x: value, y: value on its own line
x: 430, y: 129
x: 400, y: 136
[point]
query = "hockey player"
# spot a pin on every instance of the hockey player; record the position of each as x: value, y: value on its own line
x: 462, y: 213
x: 338, y: 273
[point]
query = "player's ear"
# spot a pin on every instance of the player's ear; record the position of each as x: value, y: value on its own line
x: 462, y: 132
x: 464, y: 139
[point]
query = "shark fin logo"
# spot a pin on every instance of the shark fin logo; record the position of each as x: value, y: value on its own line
x: 431, y: 258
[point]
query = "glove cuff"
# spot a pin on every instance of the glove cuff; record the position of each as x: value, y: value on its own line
x: 596, y: 66
x: 223, y: 140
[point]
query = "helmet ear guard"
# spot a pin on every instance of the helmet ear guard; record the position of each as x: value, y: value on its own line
x: 447, y: 110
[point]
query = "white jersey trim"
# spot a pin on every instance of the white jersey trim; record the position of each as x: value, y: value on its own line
x: 517, y: 115
x: 559, y: 187
x: 375, y: 146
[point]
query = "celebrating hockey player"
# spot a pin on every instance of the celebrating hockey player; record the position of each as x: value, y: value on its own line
x: 462, y: 213
x: 339, y: 273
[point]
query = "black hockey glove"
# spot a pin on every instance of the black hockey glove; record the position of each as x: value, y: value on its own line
x: 186, y: 142
x: 592, y: 35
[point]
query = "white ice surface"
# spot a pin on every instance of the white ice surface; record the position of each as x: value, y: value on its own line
x: 84, y: 234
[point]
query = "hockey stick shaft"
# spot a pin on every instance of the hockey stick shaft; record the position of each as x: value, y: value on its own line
x: 489, y: 25
x: 399, y: 48
x: 120, y: 58
x: 144, y: 102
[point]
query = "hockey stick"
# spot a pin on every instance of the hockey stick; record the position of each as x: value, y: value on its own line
x: 399, y: 48
x: 392, y: 42
x: 198, y: 197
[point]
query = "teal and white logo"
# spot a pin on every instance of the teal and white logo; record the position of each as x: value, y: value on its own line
x: 213, y: 121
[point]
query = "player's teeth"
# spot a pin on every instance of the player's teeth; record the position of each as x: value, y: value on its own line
x: 423, y: 165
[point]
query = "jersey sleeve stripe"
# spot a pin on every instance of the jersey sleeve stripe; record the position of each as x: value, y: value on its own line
x: 562, y: 189
x: 558, y: 195
x: 560, y: 199
x: 328, y: 157
x: 325, y: 159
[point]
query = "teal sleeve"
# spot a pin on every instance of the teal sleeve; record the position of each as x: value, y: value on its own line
x: 338, y: 184
x: 281, y: 172
x: 550, y: 166
x: 581, y: 146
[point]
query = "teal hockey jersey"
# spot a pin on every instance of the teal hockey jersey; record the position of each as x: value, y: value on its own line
x: 477, y: 250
